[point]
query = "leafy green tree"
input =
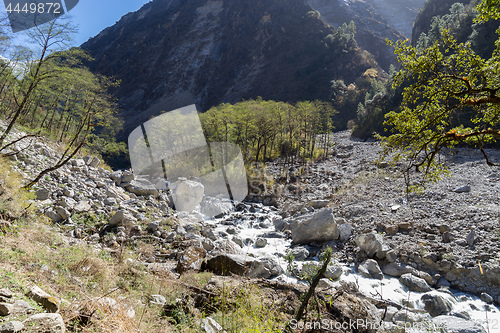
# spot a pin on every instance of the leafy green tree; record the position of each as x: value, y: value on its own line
x: 453, y: 98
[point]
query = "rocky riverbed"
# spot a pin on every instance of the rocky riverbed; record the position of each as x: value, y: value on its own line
x: 406, y: 250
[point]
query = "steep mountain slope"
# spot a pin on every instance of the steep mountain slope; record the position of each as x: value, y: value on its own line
x: 371, y: 28
x: 220, y: 51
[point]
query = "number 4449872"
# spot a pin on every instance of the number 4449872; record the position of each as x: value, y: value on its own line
x: 32, y: 8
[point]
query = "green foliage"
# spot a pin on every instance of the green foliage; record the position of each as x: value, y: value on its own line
x: 267, y: 130
x: 49, y: 91
x: 452, y: 99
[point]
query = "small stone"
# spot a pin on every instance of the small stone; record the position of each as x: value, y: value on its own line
x: 300, y: 253
x: 446, y: 237
x: 6, y: 309
x: 260, y: 242
x: 462, y: 189
x: 53, y: 216
x: 42, y: 194
x: 391, y: 256
x: 470, y: 238
x: 395, y: 208
x: 157, y: 299
x: 392, y: 229
x: 6, y: 293
x: 333, y: 272
x: 95, y: 162
x: 153, y: 226
x: 486, y: 298
x: 11, y: 327
x: 444, y: 228
x: 63, y: 212
x: 404, y: 225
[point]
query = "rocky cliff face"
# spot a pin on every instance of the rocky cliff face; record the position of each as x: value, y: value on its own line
x: 220, y: 51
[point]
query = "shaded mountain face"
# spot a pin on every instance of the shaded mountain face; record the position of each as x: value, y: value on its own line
x: 372, y: 28
x: 430, y: 9
x: 220, y: 51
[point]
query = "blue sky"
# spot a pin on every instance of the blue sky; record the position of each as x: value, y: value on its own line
x: 92, y: 16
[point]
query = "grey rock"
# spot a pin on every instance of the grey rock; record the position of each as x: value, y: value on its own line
x: 264, y: 268
x: 6, y: 309
x: 157, y: 299
x: 436, y: 305
x: 470, y: 238
x: 462, y: 189
x: 4, y: 292
x: 238, y: 240
x: 122, y: 218
x: 370, y: 269
x: 142, y: 187
x: 216, y: 206
x: 442, y: 282
x: 300, y: 253
x: 47, y: 301
x: 317, y: 204
x: 414, y: 283
x: 191, y: 259
x: 372, y: 244
x: 209, y: 325
x: 69, y: 193
x: 11, y: 327
x: 82, y: 206
x: 187, y: 195
x: 95, y: 162
x: 260, y: 242
x: 109, y: 201
x: 457, y: 325
x: 153, y: 226
x: 55, y: 217
x: 314, y: 227
x: 46, y: 322
x: 63, y: 212
x: 345, y: 230
x: 326, y: 284
x: 67, y: 203
x: 127, y: 176
x: 333, y: 272
x: 42, y: 194
x: 87, y: 159
x: 486, y: 298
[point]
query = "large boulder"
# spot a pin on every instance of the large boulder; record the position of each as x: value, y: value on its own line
x: 191, y: 259
x: 315, y: 227
x: 122, y: 218
x: 227, y: 264
x: 142, y: 187
x: 372, y: 244
x: 217, y: 206
x: 264, y: 268
x: 414, y: 283
x: 397, y: 269
x: 370, y: 269
x: 436, y: 305
x: 187, y: 195
x: 50, y: 303
x: 45, y: 322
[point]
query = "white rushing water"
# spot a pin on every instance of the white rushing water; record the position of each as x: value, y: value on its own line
x: 389, y: 288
